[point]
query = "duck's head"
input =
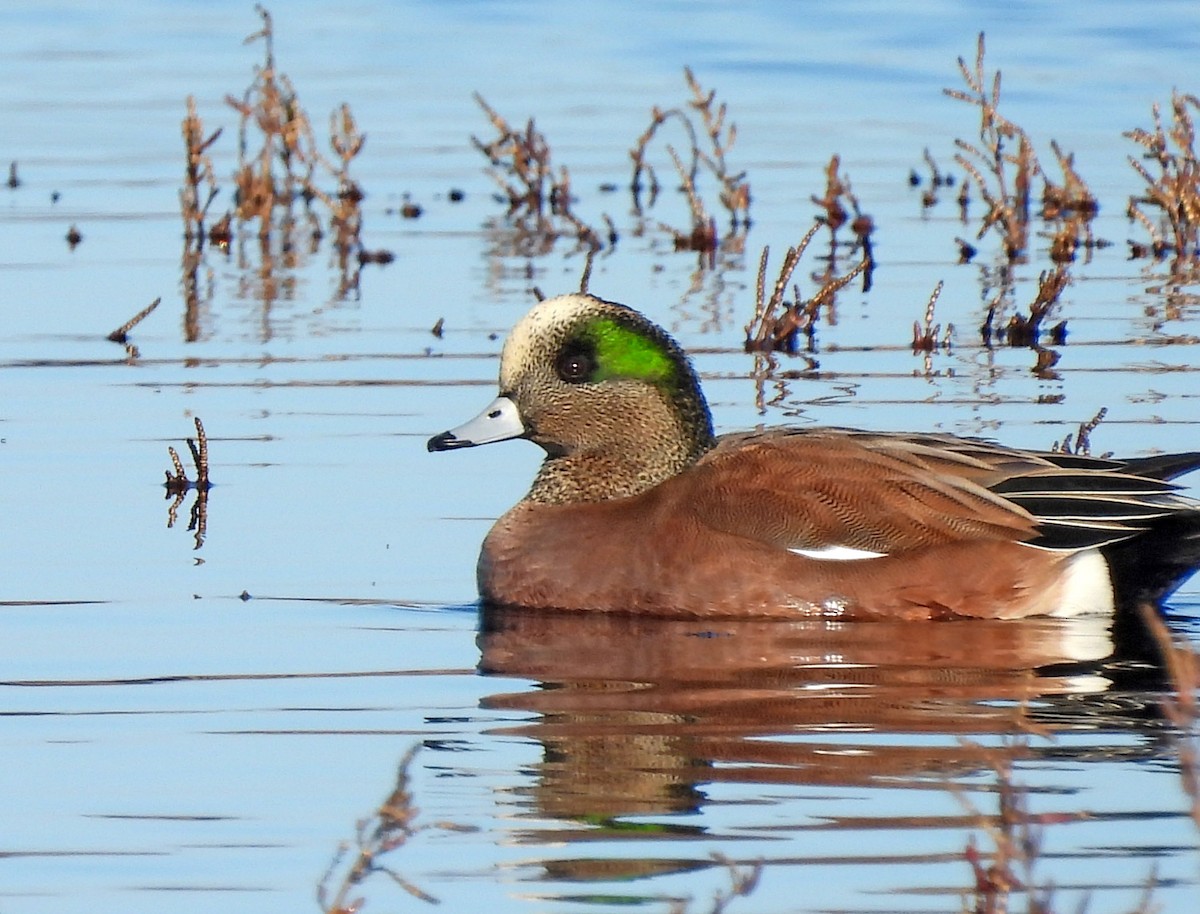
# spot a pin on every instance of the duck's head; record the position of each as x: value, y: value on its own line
x: 609, y: 396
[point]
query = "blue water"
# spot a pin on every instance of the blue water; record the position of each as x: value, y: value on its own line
x: 195, y: 724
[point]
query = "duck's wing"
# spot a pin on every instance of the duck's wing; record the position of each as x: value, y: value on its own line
x: 813, y: 490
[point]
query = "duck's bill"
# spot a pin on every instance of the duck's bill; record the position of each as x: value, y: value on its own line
x: 498, y: 422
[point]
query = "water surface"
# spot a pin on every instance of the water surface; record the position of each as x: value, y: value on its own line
x: 197, y: 720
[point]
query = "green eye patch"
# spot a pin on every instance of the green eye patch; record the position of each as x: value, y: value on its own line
x: 622, y: 352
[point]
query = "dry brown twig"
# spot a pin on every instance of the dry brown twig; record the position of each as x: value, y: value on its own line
x: 703, y: 117
x: 776, y: 324
x: 1026, y: 331
x: 345, y: 210
x: 703, y: 236
x: 1073, y: 206
x: 121, y: 334
x: 1082, y: 443
x: 641, y: 166
x: 926, y: 335
x: 283, y: 169
x: 199, y: 449
x: 269, y: 106
x: 835, y: 188
x: 1175, y: 190
x: 199, y: 179
x: 839, y: 195
x: 280, y: 166
x: 734, y: 192
x: 768, y: 331
x: 1073, y: 195
x: 177, y: 485
x: 538, y: 195
x: 1006, y: 195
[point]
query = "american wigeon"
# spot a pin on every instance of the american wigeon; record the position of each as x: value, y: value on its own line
x: 640, y: 508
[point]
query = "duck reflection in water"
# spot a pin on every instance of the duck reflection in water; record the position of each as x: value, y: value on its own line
x: 635, y: 714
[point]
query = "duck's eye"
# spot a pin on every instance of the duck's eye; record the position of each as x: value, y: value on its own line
x: 575, y: 364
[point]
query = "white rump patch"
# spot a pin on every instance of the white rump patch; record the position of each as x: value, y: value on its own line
x: 838, y: 554
x: 1086, y: 586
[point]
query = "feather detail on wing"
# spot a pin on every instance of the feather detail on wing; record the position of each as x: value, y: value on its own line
x: 810, y: 490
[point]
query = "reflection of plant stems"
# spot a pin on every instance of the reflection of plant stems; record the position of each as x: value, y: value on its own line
x: 742, y: 882
x: 387, y: 829
x: 1016, y: 839
x: 1182, y: 706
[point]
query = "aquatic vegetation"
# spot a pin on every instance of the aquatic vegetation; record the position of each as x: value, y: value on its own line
x: 607, y: 787
x: 937, y: 180
x: 538, y: 195
x: 178, y: 485
x: 928, y: 336
x: 838, y: 196
x: 1026, y: 331
x: 1005, y: 178
x: 199, y: 180
x: 1175, y: 190
x: 777, y: 323
x: 733, y: 188
x: 743, y: 880
x: 1071, y: 205
x: 1010, y: 868
x: 283, y: 170
x: 121, y: 334
x: 1082, y: 443
x: 1181, y: 705
x: 1009, y: 177
x: 280, y: 172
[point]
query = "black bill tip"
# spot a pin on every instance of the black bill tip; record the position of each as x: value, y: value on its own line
x: 446, y: 441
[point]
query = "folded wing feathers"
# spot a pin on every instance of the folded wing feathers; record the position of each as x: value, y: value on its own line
x: 1077, y: 501
x: 944, y: 486
x: 1088, y: 509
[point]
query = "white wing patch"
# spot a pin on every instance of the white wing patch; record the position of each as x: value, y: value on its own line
x: 838, y: 554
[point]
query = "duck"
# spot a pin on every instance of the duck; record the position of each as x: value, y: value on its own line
x: 639, y: 507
